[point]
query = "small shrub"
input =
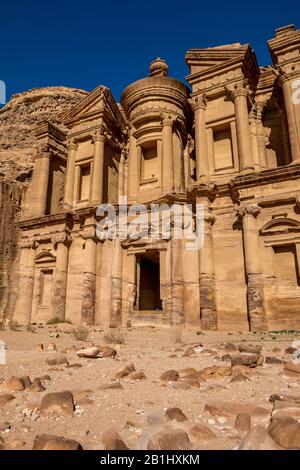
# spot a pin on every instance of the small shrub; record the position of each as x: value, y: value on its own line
x: 56, y: 320
x: 30, y: 329
x: 13, y: 325
x: 2, y: 326
x: 80, y: 333
x: 115, y: 336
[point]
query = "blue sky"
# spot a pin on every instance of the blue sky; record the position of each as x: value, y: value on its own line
x: 84, y: 44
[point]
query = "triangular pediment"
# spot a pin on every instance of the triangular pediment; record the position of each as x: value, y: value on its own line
x: 99, y: 102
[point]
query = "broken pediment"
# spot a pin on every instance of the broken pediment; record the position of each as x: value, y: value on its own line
x: 280, y: 225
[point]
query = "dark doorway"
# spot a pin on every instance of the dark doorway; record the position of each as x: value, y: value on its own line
x: 149, y: 281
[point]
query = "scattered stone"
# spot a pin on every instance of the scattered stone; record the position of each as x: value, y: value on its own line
x: 175, y: 414
x: 249, y: 348
x: 230, y: 410
x: 155, y: 419
x: 239, y: 378
x: 285, y: 432
x: 57, y: 403
x: 5, y: 427
x: 26, y: 381
x: 230, y: 347
x: 258, y: 439
x: 272, y: 360
x: 183, y: 385
x: 292, y: 369
x: 249, y: 360
x: 6, y: 398
x: 242, y: 422
x: 50, y: 442
x: 16, y: 444
x: 284, y: 408
x: 290, y: 350
x: 288, y: 398
x: 201, y: 432
x: 112, y: 386
x: 59, y: 359
x: 226, y: 358
x: 52, y: 347
x: 170, y: 439
x: 89, y: 353
x: 13, y: 384
x: 107, y: 351
x: 137, y: 375
x: 125, y: 370
x: 170, y: 376
x: 112, y: 441
x: 36, y: 386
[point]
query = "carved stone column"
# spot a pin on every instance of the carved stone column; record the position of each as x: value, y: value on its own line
x: 121, y: 190
x: 89, y: 276
x: 39, y: 184
x: 255, y: 294
x: 133, y: 168
x: 293, y: 115
x: 177, y: 283
x: 208, y: 309
x: 61, y: 242
x: 261, y: 136
x: 98, y: 162
x: 167, y: 154
x: 198, y: 104
x: 23, y: 309
x: 70, y: 175
x: 240, y: 99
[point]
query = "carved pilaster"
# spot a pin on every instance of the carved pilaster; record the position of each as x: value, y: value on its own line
x: 89, y: 276
x: 255, y: 292
x: 199, y: 104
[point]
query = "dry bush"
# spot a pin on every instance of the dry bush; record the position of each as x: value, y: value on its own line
x: 13, y: 325
x: 115, y: 336
x: 81, y: 333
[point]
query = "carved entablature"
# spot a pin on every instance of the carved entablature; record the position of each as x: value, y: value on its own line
x: 50, y: 139
x: 27, y: 243
x: 285, y: 51
x: 215, y: 68
x: 89, y: 233
x: 45, y: 258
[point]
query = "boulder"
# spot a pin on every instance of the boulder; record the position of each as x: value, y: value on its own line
x: 125, y: 370
x: 57, y: 360
x: 230, y: 410
x: 285, y: 432
x: 50, y: 442
x: 175, y: 414
x: 107, y: 351
x: 249, y: 360
x: 89, y: 353
x: 249, y: 348
x: 13, y: 384
x: 137, y: 375
x: 169, y: 439
x: 273, y: 360
x: 258, y: 439
x: 57, y: 403
x: 170, y: 376
x: 291, y: 369
x: 201, y: 432
x: 112, y: 441
x: 242, y: 422
x: 6, y: 398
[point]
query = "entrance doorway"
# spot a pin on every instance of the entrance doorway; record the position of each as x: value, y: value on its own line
x: 148, y: 281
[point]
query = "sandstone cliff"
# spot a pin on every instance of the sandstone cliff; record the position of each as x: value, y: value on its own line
x: 17, y: 149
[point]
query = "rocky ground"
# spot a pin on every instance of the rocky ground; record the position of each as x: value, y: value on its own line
x: 148, y: 388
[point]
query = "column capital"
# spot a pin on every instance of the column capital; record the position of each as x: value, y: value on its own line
x: 250, y: 209
x: 61, y: 237
x: 89, y: 233
x: 72, y: 145
x: 238, y: 89
x: 198, y: 102
x: 99, y: 135
x: 168, y: 120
